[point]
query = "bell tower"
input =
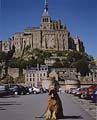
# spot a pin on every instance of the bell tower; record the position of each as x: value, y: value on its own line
x: 45, y: 20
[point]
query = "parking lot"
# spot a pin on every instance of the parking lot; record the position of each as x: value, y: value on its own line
x: 87, y: 105
x: 27, y: 107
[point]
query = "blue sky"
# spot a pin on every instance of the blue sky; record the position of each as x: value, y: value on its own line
x: 80, y: 17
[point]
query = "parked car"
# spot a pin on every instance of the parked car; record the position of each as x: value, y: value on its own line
x: 90, y: 91
x: 94, y: 95
x: 43, y: 90
x: 69, y: 91
x: 75, y: 91
x: 36, y: 90
x: 23, y: 90
x: 82, y: 92
x: 72, y: 90
x: 29, y: 90
x: 18, y: 89
x: 4, y: 90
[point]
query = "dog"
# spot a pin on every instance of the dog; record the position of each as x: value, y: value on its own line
x: 54, y: 107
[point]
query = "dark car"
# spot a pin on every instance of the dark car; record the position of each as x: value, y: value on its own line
x: 29, y: 90
x: 15, y: 89
x: 18, y: 89
x: 82, y: 93
x: 94, y: 95
x: 4, y: 90
x: 23, y: 90
x: 90, y: 91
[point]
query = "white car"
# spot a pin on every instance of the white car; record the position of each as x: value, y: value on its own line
x: 36, y: 90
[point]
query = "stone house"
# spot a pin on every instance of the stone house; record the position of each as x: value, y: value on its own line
x: 36, y: 76
x: 67, y: 77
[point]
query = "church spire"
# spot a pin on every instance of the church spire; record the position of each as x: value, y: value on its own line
x: 45, y: 13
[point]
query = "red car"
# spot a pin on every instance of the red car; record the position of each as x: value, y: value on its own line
x: 90, y: 91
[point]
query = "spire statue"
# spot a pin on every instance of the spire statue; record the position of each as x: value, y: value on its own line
x: 45, y: 13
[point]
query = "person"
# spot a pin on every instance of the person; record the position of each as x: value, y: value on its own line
x: 60, y: 89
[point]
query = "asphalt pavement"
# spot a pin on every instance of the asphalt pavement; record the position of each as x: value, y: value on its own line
x: 28, y: 107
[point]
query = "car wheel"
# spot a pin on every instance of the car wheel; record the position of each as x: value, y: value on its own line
x: 28, y: 93
x: 22, y: 93
x: 35, y: 92
x: 16, y: 93
x: 82, y: 96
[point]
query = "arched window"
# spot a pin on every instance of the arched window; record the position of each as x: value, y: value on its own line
x: 43, y: 19
x: 47, y: 20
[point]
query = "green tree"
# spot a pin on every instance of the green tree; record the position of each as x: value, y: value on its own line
x: 66, y: 63
x: 81, y: 66
x: 74, y: 56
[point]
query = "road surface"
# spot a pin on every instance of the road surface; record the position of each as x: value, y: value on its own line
x: 28, y: 107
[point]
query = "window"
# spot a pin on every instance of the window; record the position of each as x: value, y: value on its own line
x: 47, y: 20
x: 30, y: 75
x: 44, y: 27
x: 33, y: 79
x: 33, y: 84
x: 26, y: 75
x: 45, y: 68
x: 37, y: 79
x: 27, y: 79
x: 30, y: 79
x: 43, y: 20
x: 44, y: 74
x: 33, y: 75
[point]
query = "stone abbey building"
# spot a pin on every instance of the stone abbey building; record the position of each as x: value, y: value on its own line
x: 50, y: 35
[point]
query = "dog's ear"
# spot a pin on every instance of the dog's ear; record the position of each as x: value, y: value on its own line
x: 50, y: 88
x: 50, y: 91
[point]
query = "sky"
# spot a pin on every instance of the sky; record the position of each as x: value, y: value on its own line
x: 80, y: 17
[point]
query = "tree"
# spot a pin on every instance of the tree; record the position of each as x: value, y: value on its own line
x: 81, y: 66
x: 3, y: 56
x: 59, y: 53
x: 66, y: 63
x: 46, y: 54
x: 74, y: 56
x: 58, y: 65
x: 10, y: 54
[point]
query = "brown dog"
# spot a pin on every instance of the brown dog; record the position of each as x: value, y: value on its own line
x: 54, y: 108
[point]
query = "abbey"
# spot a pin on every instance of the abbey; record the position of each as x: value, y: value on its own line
x: 50, y: 35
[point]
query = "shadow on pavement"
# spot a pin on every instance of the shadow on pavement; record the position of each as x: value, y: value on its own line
x: 8, y: 103
x: 71, y: 117
x: 10, y: 96
x: 1, y: 108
